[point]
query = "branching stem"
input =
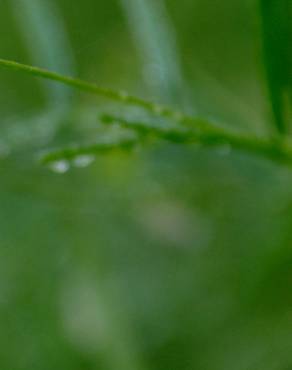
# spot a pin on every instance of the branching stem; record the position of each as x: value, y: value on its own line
x: 199, y: 130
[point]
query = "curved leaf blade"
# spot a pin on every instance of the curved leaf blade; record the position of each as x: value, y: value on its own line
x: 276, y: 16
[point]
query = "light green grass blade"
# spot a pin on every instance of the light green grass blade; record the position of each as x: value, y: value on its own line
x: 155, y: 38
x: 43, y: 31
x: 44, y: 34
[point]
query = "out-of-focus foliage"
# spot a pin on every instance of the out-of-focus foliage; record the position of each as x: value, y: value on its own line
x: 167, y: 258
x: 277, y: 39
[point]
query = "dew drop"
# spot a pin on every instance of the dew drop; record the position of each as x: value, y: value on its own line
x: 61, y: 166
x: 83, y: 160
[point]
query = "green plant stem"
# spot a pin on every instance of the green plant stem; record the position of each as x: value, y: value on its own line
x: 276, y: 150
x: 200, y: 131
x: 119, y: 96
x: 74, y: 151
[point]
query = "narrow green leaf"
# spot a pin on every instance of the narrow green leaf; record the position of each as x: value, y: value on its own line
x: 44, y: 33
x: 155, y: 38
x: 276, y: 18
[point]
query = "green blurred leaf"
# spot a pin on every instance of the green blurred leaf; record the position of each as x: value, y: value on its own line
x: 277, y: 40
x: 155, y: 38
x: 44, y: 32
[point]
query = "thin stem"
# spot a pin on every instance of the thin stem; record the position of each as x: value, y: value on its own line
x: 74, y: 151
x: 119, y: 96
x: 276, y: 150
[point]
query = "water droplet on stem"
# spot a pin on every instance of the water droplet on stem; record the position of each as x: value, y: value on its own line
x: 83, y: 160
x: 61, y: 166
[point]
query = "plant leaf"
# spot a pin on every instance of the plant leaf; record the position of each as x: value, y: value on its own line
x: 44, y: 33
x: 276, y: 18
x: 155, y: 38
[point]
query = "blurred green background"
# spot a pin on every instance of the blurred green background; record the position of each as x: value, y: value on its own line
x: 169, y: 257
